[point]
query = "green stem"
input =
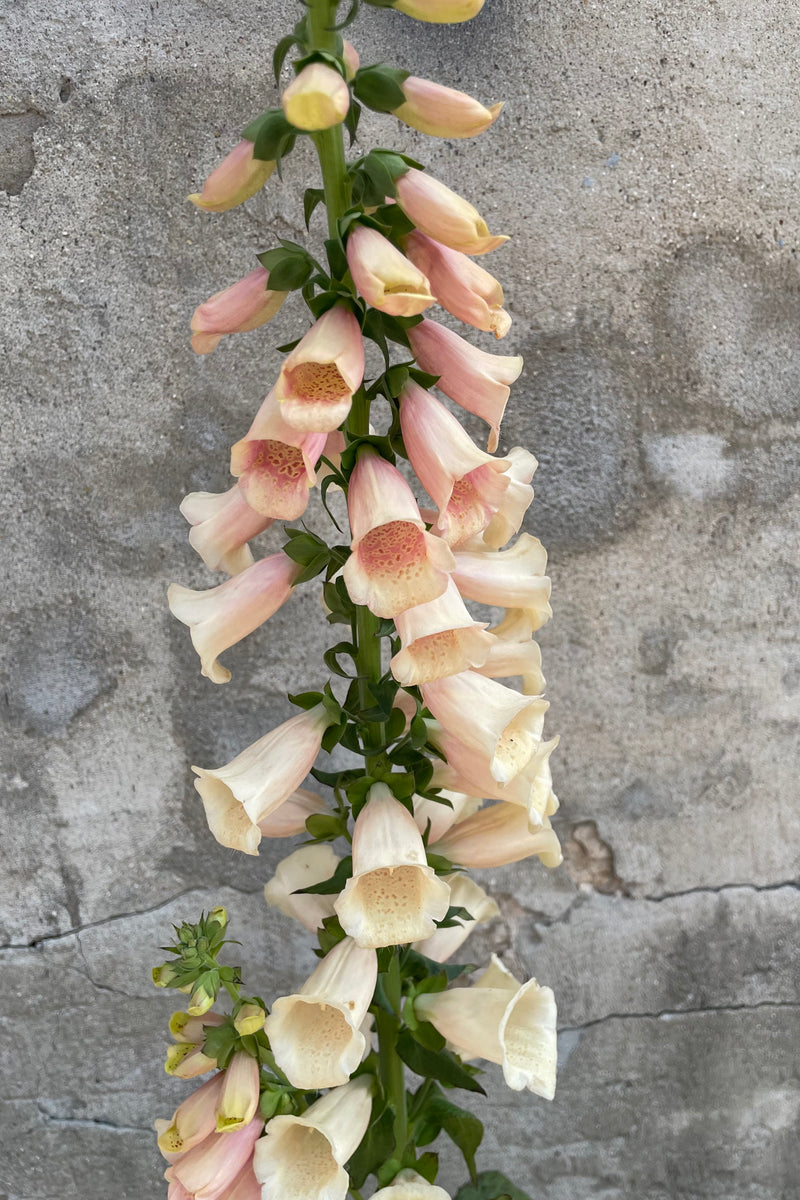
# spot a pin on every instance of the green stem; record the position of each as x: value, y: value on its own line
x: 393, y: 1077
x: 329, y: 142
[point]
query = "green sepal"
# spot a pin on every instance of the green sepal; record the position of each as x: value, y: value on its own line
x: 311, y: 198
x: 375, y: 441
x: 221, y: 1041
x: 442, y: 1065
x: 352, y: 13
x: 275, y: 1101
x: 427, y: 1165
x: 455, y: 915
x: 329, y: 935
x: 272, y: 136
x: 491, y: 1185
x: 289, y: 266
x: 352, y: 119
x: 325, y: 827
x: 380, y: 87
x: 281, y: 50
x: 305, y: 700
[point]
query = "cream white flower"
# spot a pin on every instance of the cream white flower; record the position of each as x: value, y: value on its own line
x: 315, y: 1034
x: 439, y: 638
x: 408, y: 1185
x: 238, y: 1102
x: 393, y: 897
x: 464, y: 893
x: 440, y: 817
x: 305, y: 867
x: 496, y: 836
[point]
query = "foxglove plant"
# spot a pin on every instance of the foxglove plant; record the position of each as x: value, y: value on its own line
x: 307, y: 1097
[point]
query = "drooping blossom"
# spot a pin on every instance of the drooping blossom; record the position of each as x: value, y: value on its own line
x: 393, y: 896
x: 516, y: 499
x: 209, y: 1169
x: 496, y: 836
x: 384, y: 277
x: 238, y: 177
x: 304, y: 868
x: 252, y: 786
x: 443, y: 111
x: 315, y: 1034
x: 507, y: 659
x: 275, y: 463
x: 439, y: 638
x: 408, y: 1185
x: 466, y: 484
x: 243, y: 306
x: 317, y: 98
x: 193, y: 1120
x: 444, y: 215
x: 439, y: 12
x: 395, y: 564
x: 302, y: 1158
x: 221, y: 616
x: 222, y: 525
x: 317, y: 380
x: 512, y: 578
x: 478, y: 381
x: 460, y: 285
x: 238, y: 1101
x: 437, y: 818
x: 464, y: 893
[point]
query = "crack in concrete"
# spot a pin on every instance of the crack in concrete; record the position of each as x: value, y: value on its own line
x: 723, y: 887
x: 98, y: 1123
x: 669, y: 1013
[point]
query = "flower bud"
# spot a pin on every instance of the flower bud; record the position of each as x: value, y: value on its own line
x: 444, y: 215
x: 238, y: 177
x: 243, y: 306
x: 460, y: 285
x: 351, y: 59
x: 193, y: 1120
x: 317, y: 99
x: 192, y: 1029
x: 439, y: 12
x: 186, y: 1060
x: 202, y: 998
x: 385, y: 277
x: 164, y: 975
x: 249, y: 1019
x: 238, y: 1100
x: 442, y: 111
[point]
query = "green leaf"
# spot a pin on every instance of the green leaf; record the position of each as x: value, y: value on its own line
x: 303, y: 547
x: 220, y: 1041
x: 272, y: 135
x: 337, y: 259
x: 281, y: 50
x: 330, y: 934
x: 455, y: 915
x: 443, y: 1066
x: 352, y: 119
x: 491, y: 1185
x: 380, y: 87
x: 311, y: 198
x: 289, y: 267
x: 352, y: 13
x: 306, y: 700
x: 427, y: 1165
x: 376, y: 1147
x: 462, y: 1127
x: 324, y: 827
x: 337, y: 881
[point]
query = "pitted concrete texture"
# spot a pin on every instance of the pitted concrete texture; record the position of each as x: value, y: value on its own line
x: 646, y: 163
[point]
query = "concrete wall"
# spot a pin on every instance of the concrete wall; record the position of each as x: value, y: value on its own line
x: 646, y: 164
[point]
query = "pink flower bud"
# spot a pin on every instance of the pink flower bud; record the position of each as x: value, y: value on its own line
x: 317, y: 380
x: 479, y: 382
x: 193, y: 1120
x: 291, y: 817
x: 318, y: 98
x: 442, y: 111
x: 222, y: 524
x: 221, y: 616
x: 443, y: 214
x: 275, y: 463
x: 439, y: 12
x: 243, y: 306
x: 209, y: 1170
x: 460, y: 285
x: 238, y: 177
x: 497, y: 836
x: 238, y: 1099
x: 351, y: 59
x: 385, y: 277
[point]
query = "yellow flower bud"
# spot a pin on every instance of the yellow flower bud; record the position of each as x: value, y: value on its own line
x: 317, y: 99
x: 249, y: 1019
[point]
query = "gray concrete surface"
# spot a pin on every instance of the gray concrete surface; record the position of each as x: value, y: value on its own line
x: 647, y: 165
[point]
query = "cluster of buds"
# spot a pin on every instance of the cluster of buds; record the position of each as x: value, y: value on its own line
x: 306, y: 1096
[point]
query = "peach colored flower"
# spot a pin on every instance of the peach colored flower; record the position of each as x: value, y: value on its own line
x: 385, y: 277
x: 443, y: 111
x: 317, y: 98
x: 496, y: 836
x: 238, y: 177
x: 243, y: 306
x: 460, y: 285
x: 444, y: 215
x: 438, y: 638
x: 222, y: 525
x: 317, y: 380
x: 512, y: 578
x: 275, y: 463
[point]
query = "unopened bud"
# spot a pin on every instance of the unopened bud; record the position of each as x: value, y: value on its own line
x: 236, y: 179
x: 165, y: 975
x: 317, y: 99
x: 440, y: 12
x: 249, y: 1019
x: 220, y: 915
x: 204, y: 994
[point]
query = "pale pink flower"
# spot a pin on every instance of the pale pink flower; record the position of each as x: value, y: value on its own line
x: 239, y: 308
x: 516, y: 499
x: 495, y: 720
x: 438, y: 638
x: 292, y: 815
x: 512, y: 578
x: 315, y: 1034
x: 302, y: 1158
x: 496, y: 836
x: 245, y: 1187
x: 250, y: 788
x: 507, y: 659
x: 212, y: 1167
x: 238, y: 1101
x: 478, y: 381
x: 466, y: 484
x: 460, y: 285
x: 222, y: 525
x: 275, y: 463
x: 238, y: 177
x: 443, y: 111
x: 393, y: 896
x: 439, y: 12
x: 305, y: 867
x: 464, y: 893
x: 395, y: 564
x: 438, y: 818
x: 317, y: 380
x: 503, y: 1021
x: 444, y: 215
x: 408, y: 1185
x: 317, y: 98
x: 221, y: 616
x: 193, y: 1120
x: 385, y: 277
x: 350, y: 59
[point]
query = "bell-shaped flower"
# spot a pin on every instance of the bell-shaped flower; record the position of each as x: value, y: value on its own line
x: 291, y: 817
x: 317, y: 380
x: 304, y: 868
x: 393, y: 896
x: 238, y: 1102
x: 221, y: 616
x: 516, y: 499
x: 395, y: 564
x: 239, y: 308
x: 193, y: 1120
x: 250, y: 788
x: 439, y: 12
x: 503, y: 1021
x: 443, y: 111
x: 317, y: 98
x: 384, y: 277
x: 302, y: 1158
x: 222, y: 525
x: 275, y: 462
x: 238, y: 177
x: 210, y: 1169
x: 496, y: 836
x: 408, y: 1185
x: 478, y: 381
x: 508, y: 659
x: 315, y: 1034
x: 468, y: 769
x: 444, y: 215
x: 512, y: 578
x: 466, y: 484
x: 438, y: 638
x: 467, y: 894
x: 460, y: 285
x: 495, y: 720
x: 437, y: 818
